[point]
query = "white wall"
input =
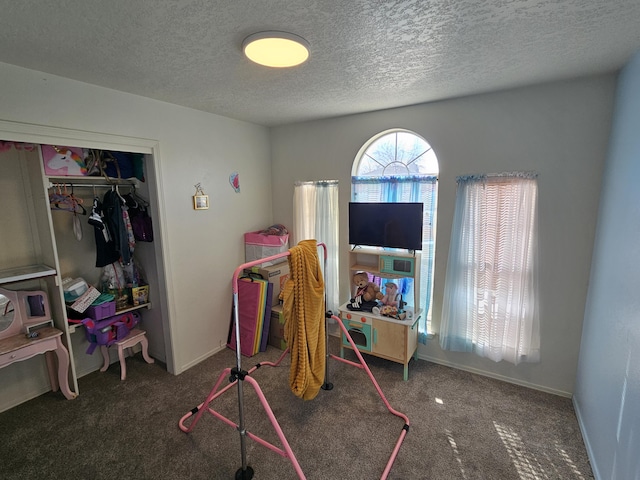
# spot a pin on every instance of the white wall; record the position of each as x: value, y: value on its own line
x: 608, y: 380
x: 202, y: 248
x: 559, y: 130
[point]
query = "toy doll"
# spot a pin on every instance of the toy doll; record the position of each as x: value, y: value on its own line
x: 391, y: 295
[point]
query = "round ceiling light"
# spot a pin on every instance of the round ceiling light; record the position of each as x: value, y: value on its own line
x: 276, y: 49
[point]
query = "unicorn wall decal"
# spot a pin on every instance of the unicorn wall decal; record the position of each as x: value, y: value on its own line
x: 63, y: 160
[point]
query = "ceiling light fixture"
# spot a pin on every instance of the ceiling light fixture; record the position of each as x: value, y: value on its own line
x: 276, y: 49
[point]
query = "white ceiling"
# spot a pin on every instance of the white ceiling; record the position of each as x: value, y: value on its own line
x: 365, y: 54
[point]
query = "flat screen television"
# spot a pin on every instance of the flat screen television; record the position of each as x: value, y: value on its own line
x: 394, y: 225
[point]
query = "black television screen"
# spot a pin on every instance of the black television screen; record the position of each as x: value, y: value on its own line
x: 394, y: 225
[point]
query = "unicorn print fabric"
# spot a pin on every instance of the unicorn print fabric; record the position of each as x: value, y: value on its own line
x: 63, y: 161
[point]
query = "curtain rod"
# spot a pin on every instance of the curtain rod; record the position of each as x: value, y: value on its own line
x: 317, y: 182
x: 486, y: 176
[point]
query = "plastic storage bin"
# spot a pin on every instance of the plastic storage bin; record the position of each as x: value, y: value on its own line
x: 104, y: 310
x: 259, y: 245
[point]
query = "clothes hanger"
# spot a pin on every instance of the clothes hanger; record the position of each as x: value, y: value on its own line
x: 124, y: 202
x: 77, y: 226
x: 55, y: 196
x: 57, y: 199
x: 74, y: 203
x: 66, y: 201
x: 77, y: 203
x: 139, y: 199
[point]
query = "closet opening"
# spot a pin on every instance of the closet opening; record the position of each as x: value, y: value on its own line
x: 64, y: 238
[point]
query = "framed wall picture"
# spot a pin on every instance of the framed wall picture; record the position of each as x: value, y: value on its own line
x: 201, y: 202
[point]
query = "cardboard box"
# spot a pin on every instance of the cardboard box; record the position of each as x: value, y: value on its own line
x: 276, y: 274
x: 140, y: 295
x: 276, y: 328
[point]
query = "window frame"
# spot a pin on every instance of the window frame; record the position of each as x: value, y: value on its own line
x: 428, y: 263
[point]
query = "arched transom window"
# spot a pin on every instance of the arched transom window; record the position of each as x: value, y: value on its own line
x: 396, y: 153
x: 400, y: 166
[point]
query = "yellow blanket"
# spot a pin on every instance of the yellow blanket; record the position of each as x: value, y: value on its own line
x: 303, y: 309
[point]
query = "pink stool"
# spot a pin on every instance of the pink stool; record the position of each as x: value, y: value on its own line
x: 135, y: 336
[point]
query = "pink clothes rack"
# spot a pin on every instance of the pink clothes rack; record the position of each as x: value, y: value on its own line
x: 237, y: 377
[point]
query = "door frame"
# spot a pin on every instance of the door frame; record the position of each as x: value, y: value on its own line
x: 42, y: 134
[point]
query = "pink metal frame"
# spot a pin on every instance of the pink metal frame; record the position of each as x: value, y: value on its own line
x: 241, y: 376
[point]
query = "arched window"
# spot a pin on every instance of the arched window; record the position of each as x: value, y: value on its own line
x: 400, y: 166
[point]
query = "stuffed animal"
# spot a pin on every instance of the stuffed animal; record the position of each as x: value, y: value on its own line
x: 391, y: 295
x: 368, y: 290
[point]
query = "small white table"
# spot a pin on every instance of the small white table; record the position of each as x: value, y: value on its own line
x: 19, y: 347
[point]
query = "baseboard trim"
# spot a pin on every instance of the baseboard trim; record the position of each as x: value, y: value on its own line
x: 502, y: 378
x: 30, y: 395
x: 201, y: 358
x: 585, y: 439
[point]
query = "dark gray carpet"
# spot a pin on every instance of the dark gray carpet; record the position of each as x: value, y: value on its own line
x: 462, y: 426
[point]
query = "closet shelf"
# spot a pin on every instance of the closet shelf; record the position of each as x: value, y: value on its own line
x: 132, y: 308
x: 28, y: 272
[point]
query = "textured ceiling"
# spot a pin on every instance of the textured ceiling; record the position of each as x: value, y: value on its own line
x: 365, y: 54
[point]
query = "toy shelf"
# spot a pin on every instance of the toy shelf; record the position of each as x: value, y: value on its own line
x: 372, y: 261
x: 29, y: 272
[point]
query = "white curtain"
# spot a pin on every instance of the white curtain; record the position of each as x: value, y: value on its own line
x: 315, y: 216
x: 409, y: 188
x: 491, y: 289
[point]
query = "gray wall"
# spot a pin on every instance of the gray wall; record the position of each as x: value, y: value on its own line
x: 559, y: 130
x: 608, y: 380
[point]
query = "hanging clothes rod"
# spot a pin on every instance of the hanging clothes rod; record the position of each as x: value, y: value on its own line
x: 119, y: 183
